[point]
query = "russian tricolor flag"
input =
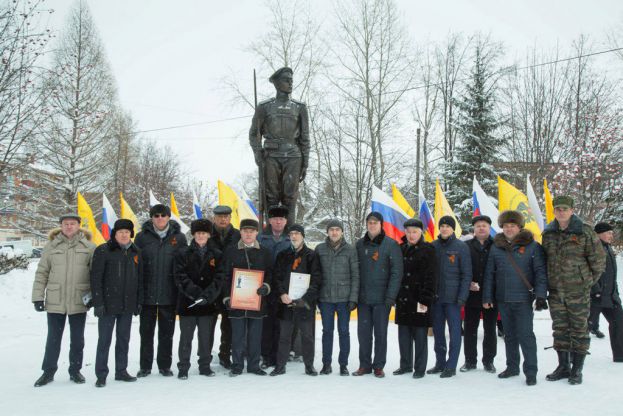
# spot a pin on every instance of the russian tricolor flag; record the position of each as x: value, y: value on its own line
x: 484, y: 206
x: 393, y: 216
x: 108, y: 218
x: 427, y: 218
x: 197, y: 207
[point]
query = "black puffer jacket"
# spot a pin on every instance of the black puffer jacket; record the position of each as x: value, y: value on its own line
x: 116, y: 278
x: 159, y: 256
x: 198, y: 276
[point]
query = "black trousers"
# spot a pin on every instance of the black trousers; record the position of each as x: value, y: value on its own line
x: 470, y: 339
x: 224, y: 352
x: 105, y: 327
x: 246, y: 337
x: 205, y: 337
x: 270, y: 331
x: 165, y: 316
x: 614, y: 316
x: 306, y: 330
x: 413, y: 345
x: 56, y: 326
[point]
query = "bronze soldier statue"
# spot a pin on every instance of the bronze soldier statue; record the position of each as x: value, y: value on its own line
x: 284, y: 153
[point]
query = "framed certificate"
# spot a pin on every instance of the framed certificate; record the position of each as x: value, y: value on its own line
x: 244, y: 285
x: 299, y: 283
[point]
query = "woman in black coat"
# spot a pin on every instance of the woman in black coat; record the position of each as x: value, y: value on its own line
x: 415, y: 298
x: 199, y: 279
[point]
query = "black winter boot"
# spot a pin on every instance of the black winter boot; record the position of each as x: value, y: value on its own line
x: 44, y: 379
x: 562, y: 371
x: 575, y: 375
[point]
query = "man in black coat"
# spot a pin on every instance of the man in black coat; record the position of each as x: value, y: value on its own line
x: 479, y: 247
x: 246, y: 325
x: 299, y: 311
x: 605, y: 295
x: 159, y: 241
x: 116, y: 284
x: 199, y: 278
x: 223, y: 236
x: 415, y: 298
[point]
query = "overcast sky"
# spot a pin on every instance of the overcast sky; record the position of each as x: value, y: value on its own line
x: 168, y: 57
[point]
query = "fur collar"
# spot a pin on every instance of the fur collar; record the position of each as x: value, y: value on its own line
x: 575, y: 226
x: 522, y: 239
x: 57, y: 231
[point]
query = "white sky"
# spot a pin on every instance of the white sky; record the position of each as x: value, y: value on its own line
x: 168, y: 57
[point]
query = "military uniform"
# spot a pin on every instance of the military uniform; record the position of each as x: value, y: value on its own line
x: 284, y: 125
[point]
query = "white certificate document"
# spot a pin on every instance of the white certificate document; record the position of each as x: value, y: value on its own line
x: 299, y: 283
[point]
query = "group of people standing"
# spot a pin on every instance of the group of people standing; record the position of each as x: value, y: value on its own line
x: 160, y: 276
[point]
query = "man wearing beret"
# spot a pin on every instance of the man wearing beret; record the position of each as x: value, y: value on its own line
x: 284, y: 154
x: 61, y: 282
x: 159, y: 241
x: 222, y: 237
x: 605, y: 296
x: 575, y: 261
x: 455, y: 275
x: 479, y: 248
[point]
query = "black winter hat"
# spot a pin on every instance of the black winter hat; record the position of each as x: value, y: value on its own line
x: 122, y: 224
x: 335, y: 223
x: 447, y: 220
x: 377, y: 215
x: 484, y: 218
x: 602, y: 227
x: 297, y: 227
x: 413, y: 222
x: 278, y: 211
x: 201, y: 224
x: 513, y: 217
x: 249, y: 223
x: 160, y: 209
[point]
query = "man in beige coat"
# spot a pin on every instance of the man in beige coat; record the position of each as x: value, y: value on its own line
x: 62, y: 288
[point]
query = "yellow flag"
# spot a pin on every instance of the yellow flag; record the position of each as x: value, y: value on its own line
x: 88, y: 221
x: 240, y: 210
x: 442, y: 208
x: 127, y: 213
x: 510, y: 197
x: 174, y: 209
x: 549, y: 203
x: 402, y: 202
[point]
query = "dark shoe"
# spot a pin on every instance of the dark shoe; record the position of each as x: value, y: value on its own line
x: 467, y: 367
x: 379, y: 373
x: 597, y: 333
x: 182, y: 375
x: 258, y: 372
x: 225, y: 363
x: 278, y: 371
x: 44, y: 379
x: 310, y: 370
x: 234, y: 373
x: 344, y: 371
x: 326, y: 369
x: 166, y: 372
x: 575, y: 375
x: 434, y: 370
x: 447, y: 373
x: 489, y: 367
x: 417, y: 374
x: 77, y: 377
x: 508, y: 373
x: 124, y: 376
x: 562, y: 371
x: 362, y: 372
x: 531, y: 380
x: 267, y: 364
x: 207, y: 372
x: 401, y: 371
x: 143, y: 373
x: 101, y: 382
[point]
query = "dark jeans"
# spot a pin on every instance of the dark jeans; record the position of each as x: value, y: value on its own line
x: 105, y: 326
x: 327, y: 313
x: 470, y: 339
x: 246, y: 336
x: 165, y: 316
x: 270, y: 331
x: 306, y: 329
x: 224, y: 352
x: 413, y: 345
x: 56, y: 326
x: 517, y: 318
x: 205, y: 336
x: 372, y: 319
x: 614, y: 316
x: 451, y: 313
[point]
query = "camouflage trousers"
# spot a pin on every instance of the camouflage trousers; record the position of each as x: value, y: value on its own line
x: 570, y: 322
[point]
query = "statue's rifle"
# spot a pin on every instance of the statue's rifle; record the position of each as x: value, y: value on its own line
x: 261, y: 165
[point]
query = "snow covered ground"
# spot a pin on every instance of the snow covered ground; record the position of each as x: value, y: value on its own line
x: 22, y: 340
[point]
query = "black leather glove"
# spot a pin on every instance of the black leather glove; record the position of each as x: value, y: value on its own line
x: 227, y: 303
x: 540, y: 304
x: 460, y: 302
x: 99, y: 311
x: 39, y: 306
x: 262, y: 290
x: 201, y: 301
x: 352, y: 306
x: 300, y: 303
